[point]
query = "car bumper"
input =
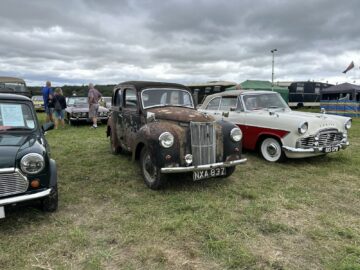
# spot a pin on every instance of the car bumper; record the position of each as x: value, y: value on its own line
x: 27, y: 197
x: 314, y: 150
x: 203, y: 167
x: 99, y: 118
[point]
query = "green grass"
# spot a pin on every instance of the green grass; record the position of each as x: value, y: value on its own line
x: 301, y: 214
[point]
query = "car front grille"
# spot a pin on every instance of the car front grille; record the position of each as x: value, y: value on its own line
x: 325, y: 138
x: 12, y: 183
x: 203, y: 142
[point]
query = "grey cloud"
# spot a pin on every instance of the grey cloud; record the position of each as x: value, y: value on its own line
x: 183, y: 41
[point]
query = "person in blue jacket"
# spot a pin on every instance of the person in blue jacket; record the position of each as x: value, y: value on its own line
x: 47, y: 94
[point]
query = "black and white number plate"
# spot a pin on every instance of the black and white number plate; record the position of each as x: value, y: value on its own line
x: 197, y: 175
x: 330, y: 149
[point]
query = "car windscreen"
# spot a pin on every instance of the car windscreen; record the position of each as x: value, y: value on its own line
x: 77, y: 101
x: 159, y: 97
x: 264, y: 101
x: 37, y: 98
x: 14, y: 116
x: 17, y: 87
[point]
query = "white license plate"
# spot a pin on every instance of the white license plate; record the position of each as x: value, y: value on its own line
x: 197, y: 175
x: 2, y: 212
x: 330, y: 149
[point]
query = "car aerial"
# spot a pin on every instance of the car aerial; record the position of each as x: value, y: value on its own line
x: 38, y: 102
x: 26, y: 170
x: 78, y: 111
x: 270, y: 126
x: 158, y: 123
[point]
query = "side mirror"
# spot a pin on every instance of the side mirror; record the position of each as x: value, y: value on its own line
x: 225, y: 114
x: 47, y: 126
x: 232, y: 109
x: 150, y: 117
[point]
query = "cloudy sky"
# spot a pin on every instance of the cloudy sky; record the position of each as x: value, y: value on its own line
x: 107, y: 42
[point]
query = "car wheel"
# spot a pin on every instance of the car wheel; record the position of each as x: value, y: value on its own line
x: 271, y: 150
x: 114, y: 149
x: 153, y: 178
x: 50, y: 203
x: 68, y: 120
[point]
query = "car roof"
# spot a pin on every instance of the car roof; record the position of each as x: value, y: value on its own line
x: 14, y: 97
x: 237, y: 93
x: 140, y: 85
x: 11, y: 80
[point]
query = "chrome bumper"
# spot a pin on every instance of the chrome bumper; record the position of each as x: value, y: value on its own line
x: 22, y: 198
x: 319, y: 149
x: 203, y: 167
x: 88, y: 119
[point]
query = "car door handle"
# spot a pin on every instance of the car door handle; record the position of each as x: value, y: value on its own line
x: 217, y: 113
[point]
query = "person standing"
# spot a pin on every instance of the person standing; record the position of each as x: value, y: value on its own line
x: 47, y: 94
x: 59, y: 102
x: 93, y: 99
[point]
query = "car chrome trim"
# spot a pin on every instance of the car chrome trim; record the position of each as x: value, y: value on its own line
x: 203, y: 167
x: 7, y: 170
x: 342, y: 145
x: 22, y: 198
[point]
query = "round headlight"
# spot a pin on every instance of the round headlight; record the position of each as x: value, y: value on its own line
x: 166, y: 139
x: 236, y: 134
x: 348, y: 124
x: 303, y: 127
x: 32, y: 163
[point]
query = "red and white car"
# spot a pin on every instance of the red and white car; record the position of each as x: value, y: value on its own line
x: 270, y: 126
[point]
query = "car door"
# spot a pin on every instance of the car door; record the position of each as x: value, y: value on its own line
x: 131, y: 116
x: 117, y: 115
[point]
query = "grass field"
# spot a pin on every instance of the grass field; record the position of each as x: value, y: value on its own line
x: 301, y: 214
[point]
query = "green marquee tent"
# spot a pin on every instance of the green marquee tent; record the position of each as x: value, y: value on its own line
x: 264, y: 85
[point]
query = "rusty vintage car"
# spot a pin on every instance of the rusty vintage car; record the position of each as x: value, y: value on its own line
x: 158, y: 123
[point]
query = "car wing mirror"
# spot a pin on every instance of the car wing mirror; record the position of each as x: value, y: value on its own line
x: 150, y: 116
x: 47, y: 126
x: 225, y: 114
x: 232, y: 109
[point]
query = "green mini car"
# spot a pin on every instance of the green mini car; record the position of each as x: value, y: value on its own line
x: 26, y: 170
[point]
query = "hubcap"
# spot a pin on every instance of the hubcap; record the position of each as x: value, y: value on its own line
x: 272, y: 149
x: 149, y: 169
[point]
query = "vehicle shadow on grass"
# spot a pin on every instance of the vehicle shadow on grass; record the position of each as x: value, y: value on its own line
x: 19, y: 216
x: 180, y: 182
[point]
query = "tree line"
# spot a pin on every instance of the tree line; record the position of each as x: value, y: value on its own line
x: 82, y: 90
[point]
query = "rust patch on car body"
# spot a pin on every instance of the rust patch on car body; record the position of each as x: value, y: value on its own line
x: 180, y: 114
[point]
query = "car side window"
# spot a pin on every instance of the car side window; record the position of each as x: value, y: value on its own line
x: 130, y: 99
x: 227, y: 103
x: 214, y: 104
x: 117, y: 98
x: 240, y: 106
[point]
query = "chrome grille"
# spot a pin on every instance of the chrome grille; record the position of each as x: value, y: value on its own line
x: 12, y: 183
x: 326, y: 138
x: 203, y: 142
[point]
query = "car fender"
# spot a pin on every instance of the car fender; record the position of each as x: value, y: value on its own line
x: 229, y: 146
x: 53, y: 173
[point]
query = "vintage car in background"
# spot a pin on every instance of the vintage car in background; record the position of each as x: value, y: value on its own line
x: 12, y: 85
x: 26, y: 170
x: 270, y: 126
x: 38, y: 102
x: 78, y: 111
x: 158, y: 123
x: 105, y: 102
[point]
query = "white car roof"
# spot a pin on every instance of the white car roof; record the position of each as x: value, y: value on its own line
x: 236, y: 93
